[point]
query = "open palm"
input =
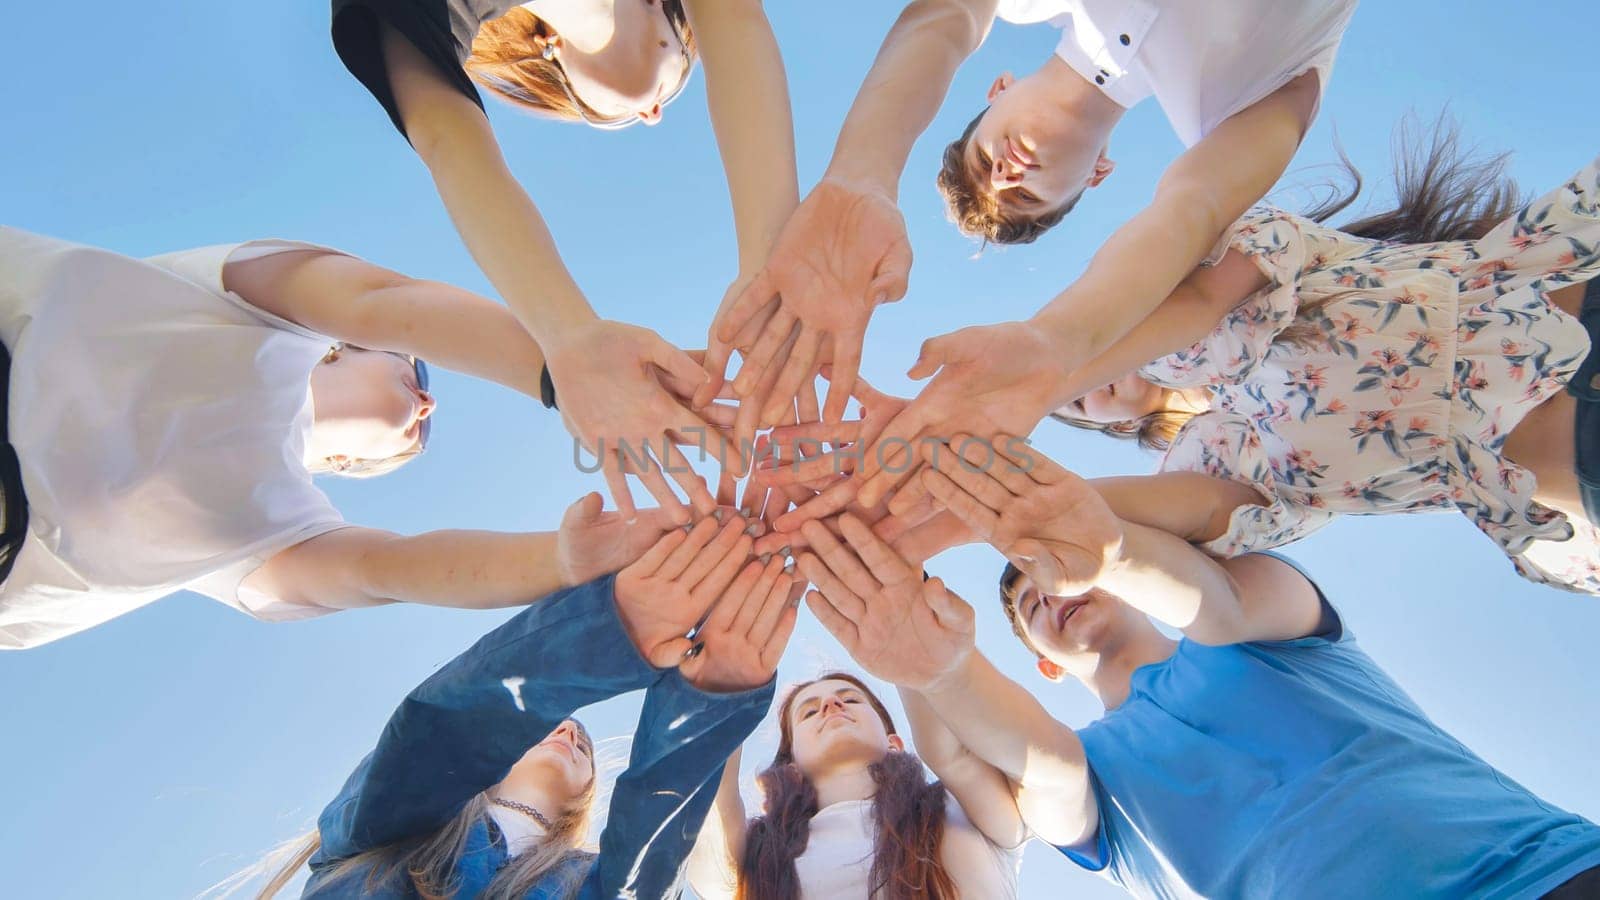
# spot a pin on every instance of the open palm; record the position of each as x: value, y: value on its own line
x: 669, y: 590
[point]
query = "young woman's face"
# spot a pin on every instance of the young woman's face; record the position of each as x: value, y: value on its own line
x: 833, y: 724
x: 563, y: 761
x: 1123, y: 400
x: 371, y: 402
x: 638, y: 72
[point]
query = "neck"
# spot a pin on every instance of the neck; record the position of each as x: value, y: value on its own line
x: 585, y: 25
x: 852, y: 782
x: 532, y: 793
x: 1188, y: 400
x: 1077, y: 100
x: 1109, y: 674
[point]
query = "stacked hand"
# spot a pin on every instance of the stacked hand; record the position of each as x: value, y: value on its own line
x: 668, y: 591
x: 592, y: 542
x: 1047, y: 521
x: 898, y: 627
x: 621, y: 391
x: 842, y: 253
x: 740, y: 644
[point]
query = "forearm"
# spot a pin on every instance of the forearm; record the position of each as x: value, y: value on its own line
x: 1001, y: 723
x: 453, y: 329
x: 714, y: 862
x: 905, y: 88
x: 1170, y: 580
x: 463, y: 569
x: 936, y: 744
x: 1179, y: 321
x: 1193, y: 506
x: 985, y: 794
x: 747, y: 94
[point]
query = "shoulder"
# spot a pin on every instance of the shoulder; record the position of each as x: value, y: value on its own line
x: 1283, y: 580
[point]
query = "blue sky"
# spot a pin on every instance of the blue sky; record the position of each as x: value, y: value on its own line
x: 154, y: 755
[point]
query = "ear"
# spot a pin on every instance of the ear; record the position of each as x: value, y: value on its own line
x: 896, y: 743
x: 1102, y: 168
x: 1050, y: 670
x: 1000, y: 85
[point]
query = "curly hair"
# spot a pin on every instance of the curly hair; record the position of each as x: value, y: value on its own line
x: 977, y: 211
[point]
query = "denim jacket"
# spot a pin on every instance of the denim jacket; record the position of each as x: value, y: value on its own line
x: 460, y: 731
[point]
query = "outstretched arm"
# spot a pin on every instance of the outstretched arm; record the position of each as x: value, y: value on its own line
x: 365, y: 304
x: 356, y: 567
x: 714, y: 862
x: 986, y: 795
x: 1203, y: 192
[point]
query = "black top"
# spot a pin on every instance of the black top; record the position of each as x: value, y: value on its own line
x: 441, y: 29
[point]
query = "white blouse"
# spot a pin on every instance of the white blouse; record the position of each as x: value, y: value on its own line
x: 1203, y: 60
x: 160, y: 422
x: 838, y: 857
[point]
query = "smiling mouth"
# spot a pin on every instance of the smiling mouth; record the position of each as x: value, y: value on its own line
x: 1016, y: 155
x: 1066, y: 612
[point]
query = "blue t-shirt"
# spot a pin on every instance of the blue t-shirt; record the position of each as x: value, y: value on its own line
x: 1299, y: 769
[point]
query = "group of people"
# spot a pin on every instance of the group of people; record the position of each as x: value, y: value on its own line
x: 166, y: 416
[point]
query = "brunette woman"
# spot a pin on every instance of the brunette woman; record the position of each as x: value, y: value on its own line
x: 610, y: 63
x: 848, y: 810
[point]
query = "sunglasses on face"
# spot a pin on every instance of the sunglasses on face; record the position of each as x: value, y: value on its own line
x: 421, y: 370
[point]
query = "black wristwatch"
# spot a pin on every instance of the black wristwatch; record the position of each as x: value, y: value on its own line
x: 547, y: 389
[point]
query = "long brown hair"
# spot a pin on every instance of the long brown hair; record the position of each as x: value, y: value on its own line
x: 429, y: 862
x: 907, y: 812
x: 1443, y: 192
x: 509, y: 59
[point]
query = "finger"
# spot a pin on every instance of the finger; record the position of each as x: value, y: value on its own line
x: 617, y: 483
x: 826, y: 503
x: 668, y: 653
x: 839, y: 595
x: 806, y: 407
x: 677, y: 364
x: 801, y: 364
x: 739, y: 604
x: 700, y: 535
x: 893, y: 275
x: 694, y: 486
x: 841, y: 560
x: 804, y: 471
x: 727, y: 488
x: 981, y: 519
x: 759, y: 596
x: 815, y: 434
x: 1021, y: 456
x: 650, y: 563
x: 971, y: 473
x: 1060, y: 569
x: 988, y: 458
x: 886, y: 462
x: 717, y: 581
x: 716, y: 365
x: 881, y: 560
x: 779, y: 499
x: 911, y: 495
x: 948, y: 609
x: 585, y: 510
x: 714, y: 552
x: 935, y: 352
x: 782, y: 629
x: 650, y: 475
x: 755, y: 295
x: 764, y: 355
x: 843, y: 630
x: 842, y: 377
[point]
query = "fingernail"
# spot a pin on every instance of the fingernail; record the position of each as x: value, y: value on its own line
x: 717, y: 514
x: 694, y: 651
x: 765, y: 558
x: 784, y: 550
x: 754, y: 530
x: 788, y: 567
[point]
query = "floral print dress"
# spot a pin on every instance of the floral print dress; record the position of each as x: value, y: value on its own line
x: 1407, y: 367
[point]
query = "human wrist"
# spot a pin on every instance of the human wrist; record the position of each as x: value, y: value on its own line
x: 942, y: 685
x: 864, y: 176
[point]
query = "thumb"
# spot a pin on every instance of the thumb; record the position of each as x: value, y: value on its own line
x: 675, y: 362
x: 893, y: 276
x: 754, y: 296
x: 1045, y: 568
x: 935, y: 352
x: 951, y: 611
x: 667, y: 654
x: 585, y: 509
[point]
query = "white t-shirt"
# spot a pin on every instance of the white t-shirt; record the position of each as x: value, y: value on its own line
x: 838, y: 857
x: 1204, y: 60
x: 160, y: 422
x: 521, y: 832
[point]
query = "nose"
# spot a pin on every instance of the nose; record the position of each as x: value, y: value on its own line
x: 652, y: 115
x: 425, y: 408
x: 1004, y: 173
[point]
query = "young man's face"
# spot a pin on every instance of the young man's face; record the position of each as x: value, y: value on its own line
x: 1031, y: 157
x: 1063, y: 629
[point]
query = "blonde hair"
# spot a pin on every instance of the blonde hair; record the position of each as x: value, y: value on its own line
x: 1153, y: 431
x: 430, y: 863
x: 511, y: 58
